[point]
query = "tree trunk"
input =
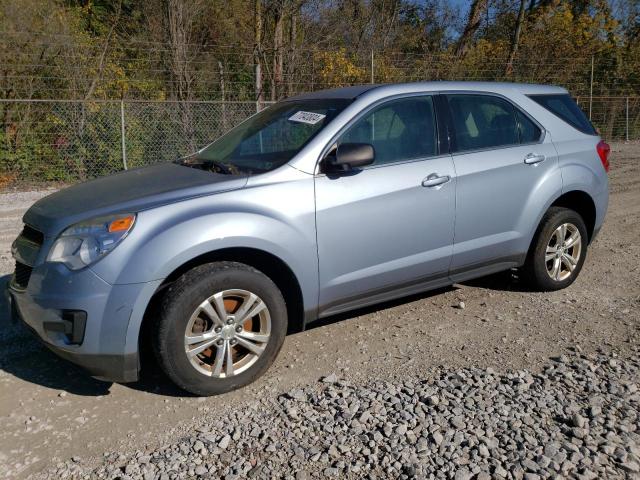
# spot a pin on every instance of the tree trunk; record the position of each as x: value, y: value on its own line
x: 257, y: 53
x: 478, y: 7
x: 291, y: 61
x: 508, y: 71
x: 181, y: 16
x: 278, y: 62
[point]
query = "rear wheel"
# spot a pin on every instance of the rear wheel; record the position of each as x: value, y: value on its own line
x: 558, y: 251
x: 221, y: 326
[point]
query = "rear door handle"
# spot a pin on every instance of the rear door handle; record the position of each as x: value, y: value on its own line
x: 533, y: 158
x: 435, y: 180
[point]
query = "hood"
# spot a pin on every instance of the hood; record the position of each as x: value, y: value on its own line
x: 128, y: 191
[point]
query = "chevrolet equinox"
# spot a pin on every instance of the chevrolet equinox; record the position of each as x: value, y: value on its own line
x: 319, y: 204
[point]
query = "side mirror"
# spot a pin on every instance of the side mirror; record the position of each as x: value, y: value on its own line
x: 351, y: 155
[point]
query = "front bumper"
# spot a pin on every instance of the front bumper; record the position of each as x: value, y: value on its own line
x: 107, y: 348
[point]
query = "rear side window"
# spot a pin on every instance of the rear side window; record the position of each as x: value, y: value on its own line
x: 399, y: 130
x: 563, y: 106
x: 482, y: 121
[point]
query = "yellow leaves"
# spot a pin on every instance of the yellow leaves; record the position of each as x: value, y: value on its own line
x: 558, y: 29
x: 339, y: 68
x: 486, y: 49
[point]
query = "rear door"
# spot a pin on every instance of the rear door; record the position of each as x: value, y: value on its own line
x: 502, y: 158
x: 386, y: 228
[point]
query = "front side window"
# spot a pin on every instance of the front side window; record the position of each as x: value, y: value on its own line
x: 269, y: 139
x: 482, y: 121
x: 399, y: 130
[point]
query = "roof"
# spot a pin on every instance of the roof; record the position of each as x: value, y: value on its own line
x: 344, y: 92
x: 355, y: 91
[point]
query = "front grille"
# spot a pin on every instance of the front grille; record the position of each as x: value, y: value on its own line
x: 25, y: 250
x: 32, y: 235
x: 21, y: 275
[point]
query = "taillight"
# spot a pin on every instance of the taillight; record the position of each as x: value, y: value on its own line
x: 603, y: 149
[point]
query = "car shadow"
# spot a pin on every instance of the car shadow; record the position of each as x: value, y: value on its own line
x: 507, y: 281
x: 24, y: 356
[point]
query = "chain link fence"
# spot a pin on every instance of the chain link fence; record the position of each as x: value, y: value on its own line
x: 617, y: 118
x: 68, y: 141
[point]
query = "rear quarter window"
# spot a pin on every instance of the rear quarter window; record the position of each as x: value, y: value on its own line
x: 565, y: 108
x: 529, y: 131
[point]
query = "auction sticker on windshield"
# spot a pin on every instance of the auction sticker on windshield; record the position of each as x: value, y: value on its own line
x: 307, y: 117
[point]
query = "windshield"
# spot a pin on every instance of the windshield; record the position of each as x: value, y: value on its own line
x: 269, y: 139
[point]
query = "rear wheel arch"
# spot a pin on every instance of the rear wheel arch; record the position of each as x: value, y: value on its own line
x: 557, y: 252
x: 577, y: 200
x: 582, y: 203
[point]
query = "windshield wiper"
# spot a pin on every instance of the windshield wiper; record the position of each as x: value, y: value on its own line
x: 218, y: 167
x: 212, y: 165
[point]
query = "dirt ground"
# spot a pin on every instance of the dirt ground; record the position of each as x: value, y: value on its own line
x: 51, y: 411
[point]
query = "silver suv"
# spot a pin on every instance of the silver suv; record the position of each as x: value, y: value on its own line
x: 322, y: 203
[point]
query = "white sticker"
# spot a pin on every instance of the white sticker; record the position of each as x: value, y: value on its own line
x: 307, y: 117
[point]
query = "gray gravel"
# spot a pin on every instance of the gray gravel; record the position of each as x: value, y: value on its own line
x: 579, y: 417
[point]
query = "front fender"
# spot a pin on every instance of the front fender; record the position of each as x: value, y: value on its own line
x: 169, y: 249
x: 160, y: 244
x: 262, y: 218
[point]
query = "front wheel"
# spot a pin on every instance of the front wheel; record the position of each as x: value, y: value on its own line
x: 221, y: 326
x: 558, y: 251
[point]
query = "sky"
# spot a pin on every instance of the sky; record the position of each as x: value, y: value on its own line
x: 464, y: 4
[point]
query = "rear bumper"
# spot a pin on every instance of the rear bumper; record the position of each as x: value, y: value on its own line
x: 101, y: 343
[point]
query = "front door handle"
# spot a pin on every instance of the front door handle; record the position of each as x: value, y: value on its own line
x: 435, y: 180
x: 533, y: 158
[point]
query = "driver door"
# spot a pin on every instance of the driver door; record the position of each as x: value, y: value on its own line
x: 386, y: 230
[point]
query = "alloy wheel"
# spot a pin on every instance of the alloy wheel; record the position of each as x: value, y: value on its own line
x: 563, y: 252
x: 227, y: 333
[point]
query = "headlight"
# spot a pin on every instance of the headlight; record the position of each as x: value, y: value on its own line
x: 82, y: 244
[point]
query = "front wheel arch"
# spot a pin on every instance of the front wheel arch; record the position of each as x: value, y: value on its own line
x: 214, y: 334
x: 272, y: 266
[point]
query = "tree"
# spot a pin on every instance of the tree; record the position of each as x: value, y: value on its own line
x: 257, y: 51
x: 478, y: 8
x: 182, y: 17
x: 516, y: 39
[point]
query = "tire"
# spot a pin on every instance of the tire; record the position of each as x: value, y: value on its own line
x: 540, y: 273
x: 192, y: 307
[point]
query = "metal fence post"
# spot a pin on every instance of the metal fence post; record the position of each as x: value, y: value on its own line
x: 627, y: 120
x: 122, y: 135
x: 591, y: 88
x: 372, y: 74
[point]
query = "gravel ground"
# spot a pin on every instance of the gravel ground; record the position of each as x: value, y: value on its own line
x: 578, y: 417
x: 487, y: 367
